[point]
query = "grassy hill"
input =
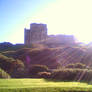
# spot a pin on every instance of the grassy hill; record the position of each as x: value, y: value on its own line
x: 42, y: 85
x: 52, y: 57
x: 60, y: 55
x: 16, y: 60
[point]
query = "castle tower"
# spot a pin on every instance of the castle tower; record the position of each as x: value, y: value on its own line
x: 36, y: 33
x: 26, y: 36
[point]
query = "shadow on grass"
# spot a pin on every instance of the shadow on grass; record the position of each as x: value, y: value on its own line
x: 55, y: 80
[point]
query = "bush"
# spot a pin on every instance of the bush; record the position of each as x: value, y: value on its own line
x: 72, y: 75
x: 35, y: 69
x: 3, y: 74
x: 76, y: 65
x: 10, y: 65
x: 44, y: 75
x: 21, y: 73
x: 5, y: 62
x: 17, y: 69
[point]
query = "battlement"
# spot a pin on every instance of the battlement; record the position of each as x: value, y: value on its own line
x: 41, y: 27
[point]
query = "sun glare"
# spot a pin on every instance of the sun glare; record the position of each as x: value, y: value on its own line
x: 67, y: 17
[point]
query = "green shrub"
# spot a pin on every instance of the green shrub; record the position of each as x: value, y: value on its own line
x: 17, y: 69
x: 20, y: 73
x: 3, y: 74
x: 72, y: 74
x: 5, y: 62
x: 10, y: 65
x: 35, y: 69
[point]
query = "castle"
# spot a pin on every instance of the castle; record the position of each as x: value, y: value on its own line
x: 35, y: 34
x: 38, y: 33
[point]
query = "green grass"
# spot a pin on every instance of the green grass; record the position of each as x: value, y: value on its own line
x: 42, y: 85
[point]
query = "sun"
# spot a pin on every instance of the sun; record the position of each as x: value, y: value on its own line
x: 69, y: 17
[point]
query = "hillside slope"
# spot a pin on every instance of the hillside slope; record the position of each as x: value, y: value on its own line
x: 52, y: 57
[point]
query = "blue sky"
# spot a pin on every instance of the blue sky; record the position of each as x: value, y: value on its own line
x: 13, y: 17
x: 61, y: 16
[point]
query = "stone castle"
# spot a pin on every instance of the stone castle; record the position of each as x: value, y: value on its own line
x: 35, y: 34
x: 38, y: 33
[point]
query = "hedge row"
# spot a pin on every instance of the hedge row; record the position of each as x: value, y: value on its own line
x: 76, y: 65
x: 69, y: 75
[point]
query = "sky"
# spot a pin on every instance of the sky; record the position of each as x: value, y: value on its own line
x: 72, y: 17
